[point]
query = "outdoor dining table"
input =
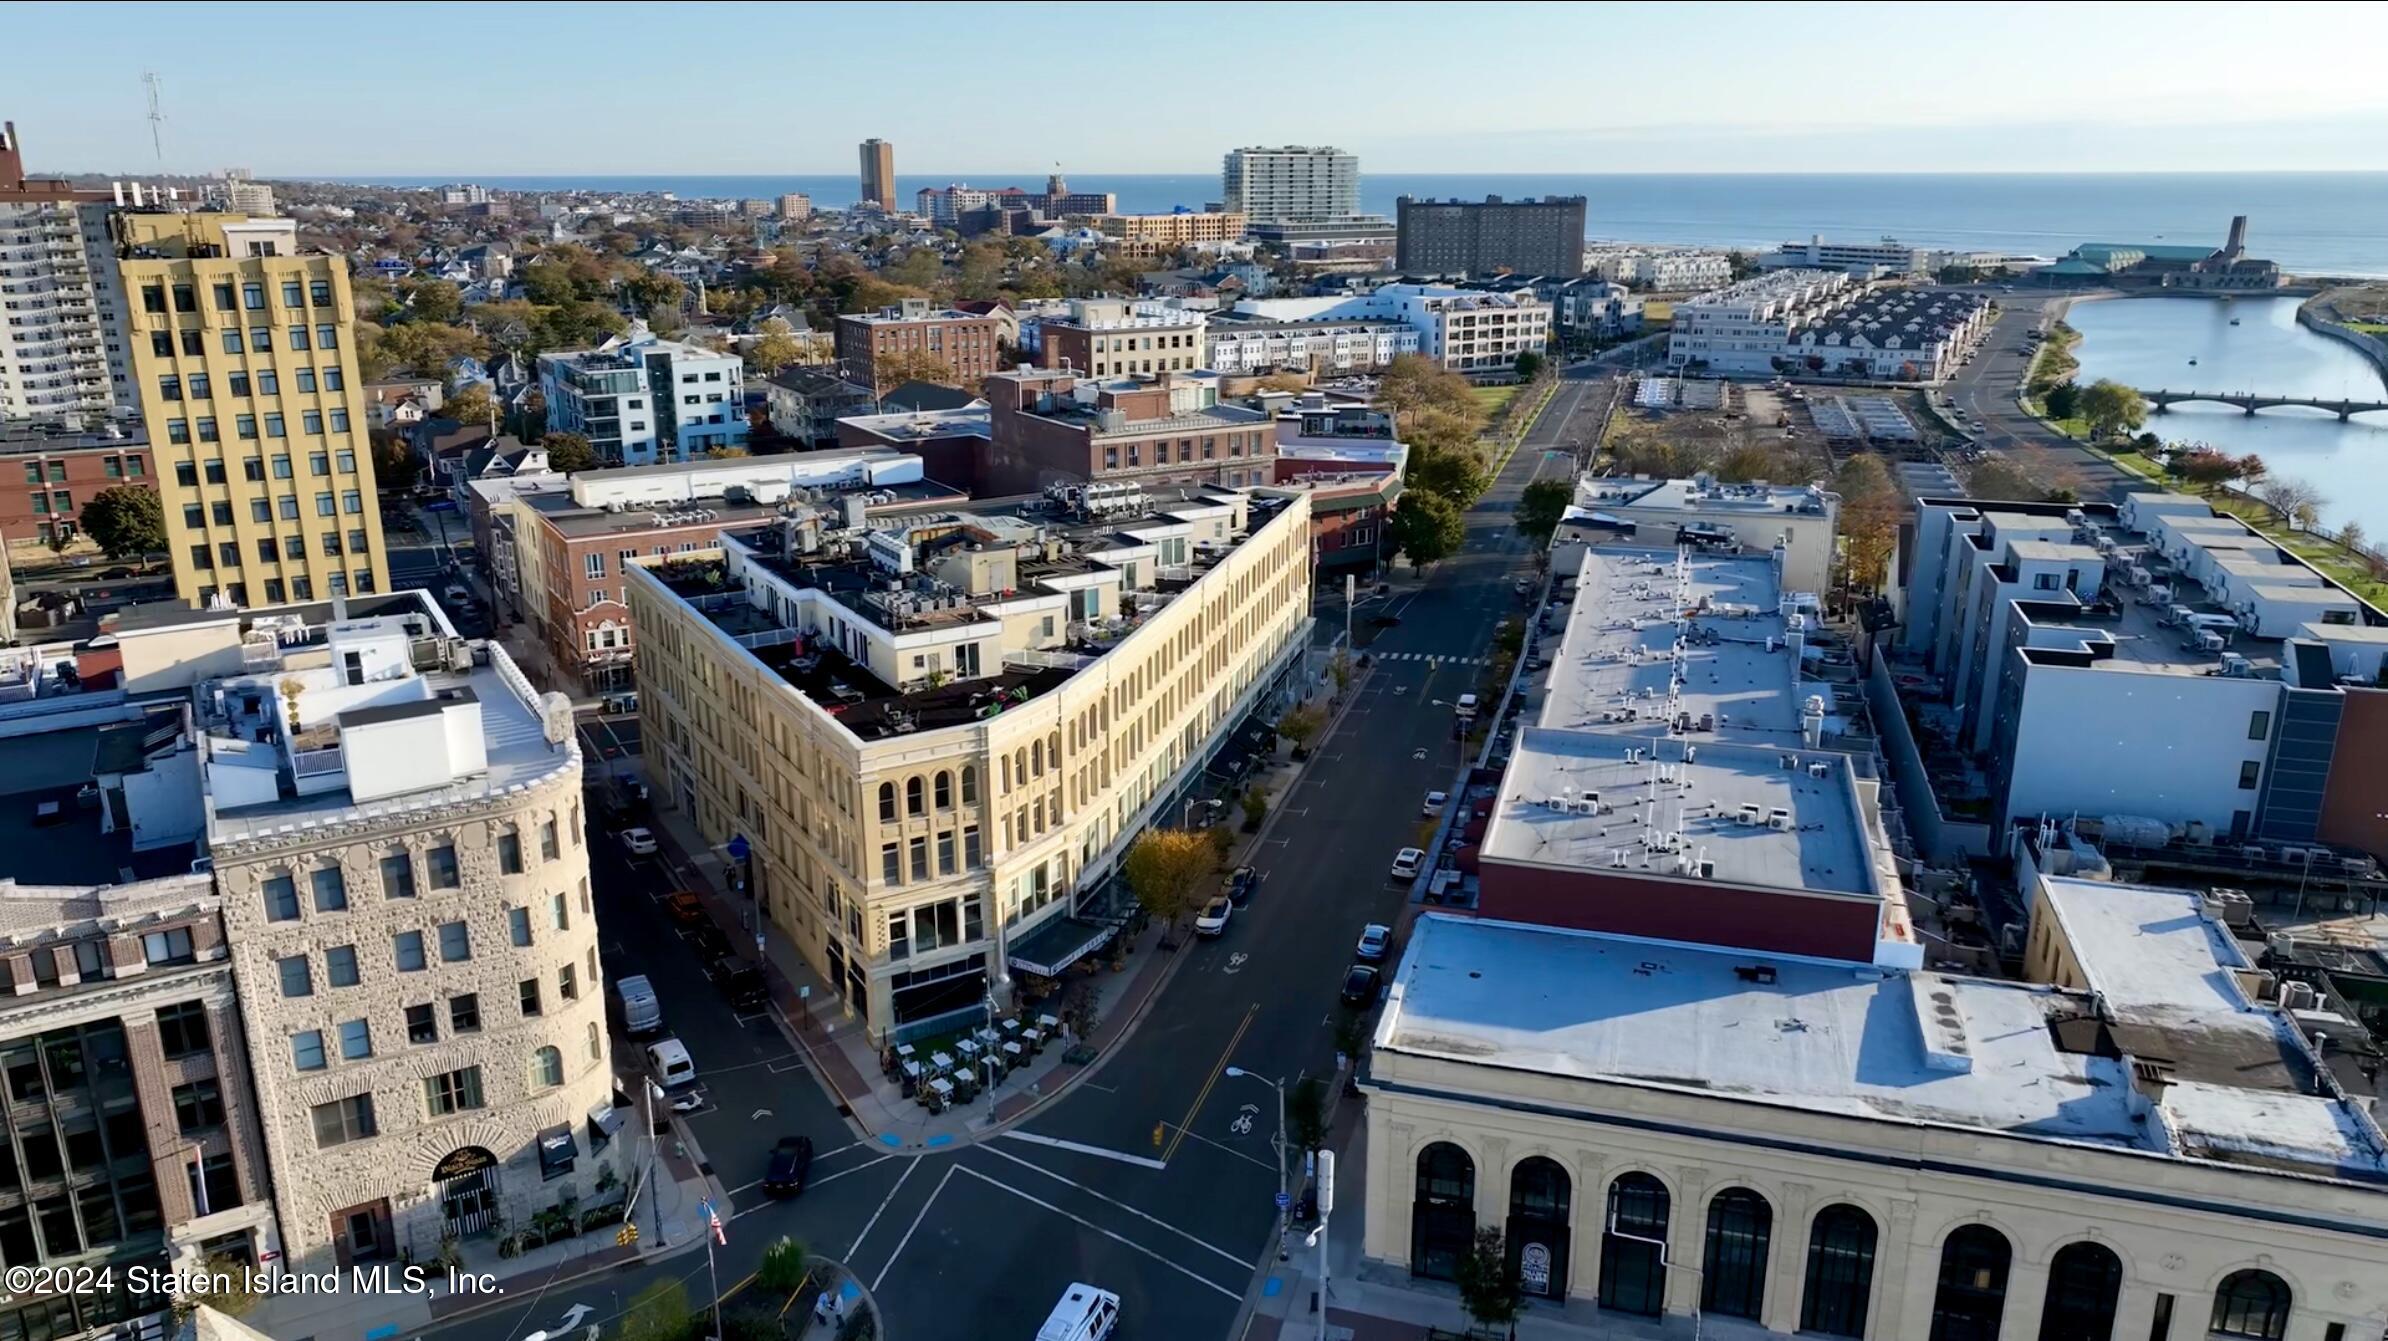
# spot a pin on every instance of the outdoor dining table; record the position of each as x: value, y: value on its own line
x: 943, y: 1087
x: 1048, y: 1022
x: 911, y: 1070
x: 1012, y: 1027
x: 967, y: 1047
x: 1014, y: 1052
x: 987, y: 1036
x: 1035, y: 1038
x: 941, y: 1061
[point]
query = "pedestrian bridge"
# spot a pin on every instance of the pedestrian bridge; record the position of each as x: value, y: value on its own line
x: 2250, y: 402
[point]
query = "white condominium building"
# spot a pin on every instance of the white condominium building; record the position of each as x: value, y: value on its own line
x: 1660, y: 269
x: 1745, y: 327
x: 1294, y: 182
x: 640, y: 400
x: 1464, y: 330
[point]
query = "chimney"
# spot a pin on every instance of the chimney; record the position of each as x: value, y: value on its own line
x: 12, y: 156
x: 2237, y: 245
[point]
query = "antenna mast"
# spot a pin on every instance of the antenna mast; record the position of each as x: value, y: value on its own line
x: 157, y: 117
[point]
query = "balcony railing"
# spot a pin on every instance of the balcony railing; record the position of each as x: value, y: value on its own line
x: 315, y: 763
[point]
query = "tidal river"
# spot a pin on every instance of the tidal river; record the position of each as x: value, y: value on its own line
x: 2149, y: 343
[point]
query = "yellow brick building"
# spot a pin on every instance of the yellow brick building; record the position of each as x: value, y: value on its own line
x: 247, y: 377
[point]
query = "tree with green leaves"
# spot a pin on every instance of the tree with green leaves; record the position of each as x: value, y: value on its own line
x: 569, y: 452
x: 1530, y: 365
x: 774, y: 349
x: 1306, y: 1114
x: 1302, y: 726
x: 1488, y: 1289
x: 1168, y: 869
x: 2111, y: 408
x: 658, y: 1313
x: 2063, y: 401
x: 1869, y: 518
x: 1539, y: 508
x: 394, y: 463
x: 126, y: 520
x: 1427, y: 527
x: 786, y: 1267
x: 434, y: 300
x: 889, y: 371
x: 1451, y: 472
x: 1255, y: 802
x: 229, y: 1293
x: 470, y: 405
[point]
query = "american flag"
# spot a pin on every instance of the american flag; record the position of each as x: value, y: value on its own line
x: 713, y: 1220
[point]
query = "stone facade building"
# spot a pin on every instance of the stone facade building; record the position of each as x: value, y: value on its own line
x: 414, y: 938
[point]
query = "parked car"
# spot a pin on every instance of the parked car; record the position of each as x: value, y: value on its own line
x: 639, y: 842
x: 1213, y: 918
x: 685, y: 907
x: 1434, y: 804
x: 791, y: 1163
x: 1242, y: 883
x: 1359, y: 985
x: 741, y: 983
x: 1406, y: 863
x: 1375, y: 939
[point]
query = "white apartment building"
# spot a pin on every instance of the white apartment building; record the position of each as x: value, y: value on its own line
x: 1660, y: 269
x: 394, y: 817
x: 1291, y: 183
x: 1324, y: 347
x: 63, y: 351
x: 1464, y: 330
x: 940, y: 734
x: 1744, y: 327
x: 2151, y: 659
x: 640, y: 400
x: 1864, y: 260
x: 1110, y: 337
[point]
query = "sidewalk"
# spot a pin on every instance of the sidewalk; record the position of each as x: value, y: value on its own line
x: 669, y: 1223
x: 1374, y: 1301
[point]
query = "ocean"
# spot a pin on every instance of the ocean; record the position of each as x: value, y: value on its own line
x: 2323, y: 223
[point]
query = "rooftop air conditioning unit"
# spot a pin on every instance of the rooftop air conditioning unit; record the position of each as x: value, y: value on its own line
x: 1779, y: 820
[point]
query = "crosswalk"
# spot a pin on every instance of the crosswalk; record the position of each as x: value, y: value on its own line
x: 1431, y: 656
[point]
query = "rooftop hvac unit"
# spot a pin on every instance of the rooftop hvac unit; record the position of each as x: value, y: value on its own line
x: 1749, y: 813
x: 1819, y: 770
x: 1779, y: 820
x: 2210, y: 641
x: 2297, y: 996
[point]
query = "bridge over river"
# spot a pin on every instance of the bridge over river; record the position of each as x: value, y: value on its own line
x: 2251, y: 402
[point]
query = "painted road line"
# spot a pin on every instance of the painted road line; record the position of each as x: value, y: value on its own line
x: 889, y: 1264
x: 1145, y: 1161
x: 872, y: 1223
x: 1327, y: 1022
x: 1148, y: 1219
x: 1175, y: 1266
x: 1196, y: 1107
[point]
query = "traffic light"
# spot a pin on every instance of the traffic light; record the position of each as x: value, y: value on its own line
x: 626, y: 1235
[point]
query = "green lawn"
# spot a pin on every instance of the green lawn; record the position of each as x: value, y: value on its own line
x: 1492, y: 398
x: 2378, y: 328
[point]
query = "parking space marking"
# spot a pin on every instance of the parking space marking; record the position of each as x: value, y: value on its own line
x: 889, y: 1264
x: 1145, y: 1161
x: 1124, y: 1241
x: 1152, y: 1220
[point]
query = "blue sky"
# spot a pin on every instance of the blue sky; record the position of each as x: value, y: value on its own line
x: 1451, y: 87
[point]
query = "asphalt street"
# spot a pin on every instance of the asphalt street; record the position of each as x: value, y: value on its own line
x: 1153, y: 1176
x: 1987, y: 390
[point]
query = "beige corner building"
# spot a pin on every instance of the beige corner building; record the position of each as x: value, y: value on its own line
x: 939, y: 733
x: 395, y: 821
x: 244, y: 368
x: 2133, y: 1143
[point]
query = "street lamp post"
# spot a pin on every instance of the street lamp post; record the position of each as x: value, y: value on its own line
x: 1185, y: 812
x: 1284, y: 1195
x: 1318, y: 1236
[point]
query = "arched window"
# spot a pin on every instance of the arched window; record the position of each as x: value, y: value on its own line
x: 1633, y: 1275
x: 969, y: 784
x: 1036, y: 758
x: 944, y: 793
x: 2251, y: 1303
x: 887, y: 810
x: 1019, y: 768
x: 912, y: 796
x: 1443, y: 1211
x: 547, y: 1068
x: 1733, y: 1268
x: 1539, y: 1196
x: 1973, y: 1285
x: 2084, y: 1279
x: 1840, y: 1277
x: 596, y: 1042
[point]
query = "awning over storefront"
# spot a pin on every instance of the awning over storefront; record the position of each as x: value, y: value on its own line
x: 1058, y: 944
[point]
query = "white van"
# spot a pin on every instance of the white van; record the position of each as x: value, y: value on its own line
x: 642, y: 1010
x: 1465, y: 709
x: 669, y: 1064
x: 1084, y: 1314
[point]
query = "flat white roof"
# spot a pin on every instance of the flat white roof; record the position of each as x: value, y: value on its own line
x: 1644, y: 802
x: 1659, y: 634
x: 1822, y: 1036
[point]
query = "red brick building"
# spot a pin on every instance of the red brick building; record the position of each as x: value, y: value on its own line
x: 49, y: 476
x: 1054, y: 428
x: 965, y: 342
